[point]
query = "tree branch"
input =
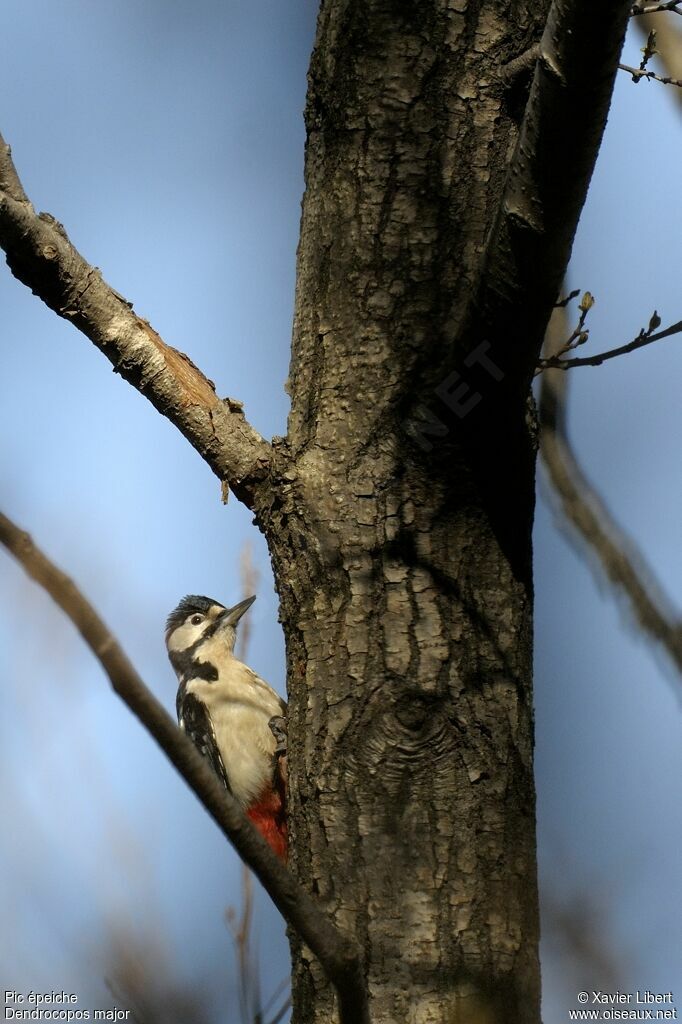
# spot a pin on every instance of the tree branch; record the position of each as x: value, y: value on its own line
x: 642, y: 339
x: 40, y: 255
x: 639, y: 73
x: 338, y: 955
x: 623, y: 564
x: 668, y: 45
x: 671, y: 6
x: 547, y: 181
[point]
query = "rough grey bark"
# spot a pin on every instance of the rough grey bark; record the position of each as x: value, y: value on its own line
x: 407, y: 611
x: 439, y: 213
x: 401, y: 532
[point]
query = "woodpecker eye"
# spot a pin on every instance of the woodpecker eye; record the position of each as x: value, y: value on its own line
x: 196, y: 619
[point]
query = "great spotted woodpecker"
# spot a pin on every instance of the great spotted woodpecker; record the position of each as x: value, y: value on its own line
x: 233, y: 717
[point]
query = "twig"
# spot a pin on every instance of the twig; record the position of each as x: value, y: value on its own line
x: 668, y: 45
x: 671, y: 6
x: 639, y: 73
x: 40, y: 255
x: 280, y: 1013
x: 338, y: 955
x: 284, y: 1006
x: 562, y: 303
x: 622, y: 563
x: 520, y: 65
x: 249, y: 578
x: 580, y: 334
x: 642, y: 339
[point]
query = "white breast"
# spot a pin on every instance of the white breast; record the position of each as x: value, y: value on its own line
x: 241, y: 705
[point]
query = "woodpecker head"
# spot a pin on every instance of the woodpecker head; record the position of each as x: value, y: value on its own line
x: 200, y: 631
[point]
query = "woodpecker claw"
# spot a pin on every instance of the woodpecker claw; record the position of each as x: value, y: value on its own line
x: 278, y: 728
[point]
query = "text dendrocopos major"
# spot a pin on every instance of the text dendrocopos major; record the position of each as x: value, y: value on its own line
x: 233, y: 717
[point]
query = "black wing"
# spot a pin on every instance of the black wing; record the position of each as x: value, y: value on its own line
x: 194, y: 718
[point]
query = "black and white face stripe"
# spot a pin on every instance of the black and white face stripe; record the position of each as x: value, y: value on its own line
x: 187, y: 666
x: 194, y: 622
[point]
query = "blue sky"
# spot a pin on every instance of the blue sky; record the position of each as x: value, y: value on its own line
x: 169, y: 141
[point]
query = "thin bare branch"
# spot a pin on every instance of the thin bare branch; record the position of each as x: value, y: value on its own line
x: 548, y: 178
x: 338, y: 955
x: 639, y: 73
x: 279, y: 1015
x: 669, y: 6
x: 617, y: 555
x: 567, y: 299
x: 40, y: 255
x: 580, y: 333
x: 521, y: 65
x: 668, y: 46
x: 250, y: 578
x: 642, y: 339
x: 248, y: 976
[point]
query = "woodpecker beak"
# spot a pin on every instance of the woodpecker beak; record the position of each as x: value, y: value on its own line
x: 231, y: 616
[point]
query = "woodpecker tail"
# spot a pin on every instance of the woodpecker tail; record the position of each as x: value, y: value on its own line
x: 269, y: 812
x: 272, y: 829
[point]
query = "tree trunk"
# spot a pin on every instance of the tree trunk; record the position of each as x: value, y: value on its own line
x: 401, y: 534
